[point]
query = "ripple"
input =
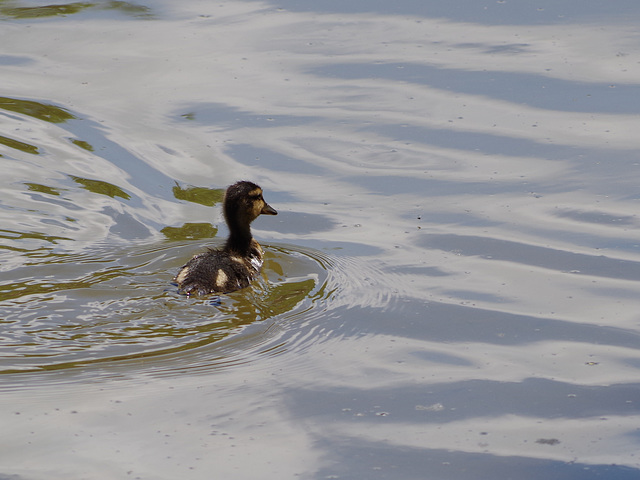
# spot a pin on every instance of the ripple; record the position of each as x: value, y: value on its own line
x: 116, y: 306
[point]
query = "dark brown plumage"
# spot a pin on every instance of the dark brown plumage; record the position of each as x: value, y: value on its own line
x: 235, y: 265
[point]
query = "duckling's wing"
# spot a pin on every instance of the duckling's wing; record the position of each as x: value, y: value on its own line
x: 213, y: 271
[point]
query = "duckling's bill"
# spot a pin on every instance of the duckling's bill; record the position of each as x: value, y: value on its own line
x: 268, y: 210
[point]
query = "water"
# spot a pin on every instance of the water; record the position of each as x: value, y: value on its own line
x: 450, y: 289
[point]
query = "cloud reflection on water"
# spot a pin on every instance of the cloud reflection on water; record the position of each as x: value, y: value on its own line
x: 469, y: 182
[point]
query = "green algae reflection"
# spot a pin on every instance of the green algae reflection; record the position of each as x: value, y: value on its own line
x: 18, y: 145
x: 82, y: 144
x: 15, y: 236
x: 202, y: 195
x: 36, y: 187
x: 41, y: 111
x: 190, y: 231
x: 100, y: 187
x: 43, y: 11
x: 11, y: 10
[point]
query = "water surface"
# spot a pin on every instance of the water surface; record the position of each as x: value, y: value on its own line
x: 450, y: 288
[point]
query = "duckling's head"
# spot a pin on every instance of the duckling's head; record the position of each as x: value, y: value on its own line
x: 243, y: 203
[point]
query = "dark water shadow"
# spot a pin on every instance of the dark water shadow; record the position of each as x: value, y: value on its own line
x: 350, y: 458
x: 393, y: 408
x: 544, y: 12
x: 521, y: 253
x: 468, y: 399
x: 447, y: 323
x: 552, y: 94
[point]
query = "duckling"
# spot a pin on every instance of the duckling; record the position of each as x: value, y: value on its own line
x: 235, y: 265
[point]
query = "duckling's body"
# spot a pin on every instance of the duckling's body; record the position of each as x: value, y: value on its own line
x: 235, y: 265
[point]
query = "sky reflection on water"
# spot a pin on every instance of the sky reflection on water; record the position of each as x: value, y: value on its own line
x: 451, y: 287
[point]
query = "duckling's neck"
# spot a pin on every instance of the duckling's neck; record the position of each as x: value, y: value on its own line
x: 239, y: 237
